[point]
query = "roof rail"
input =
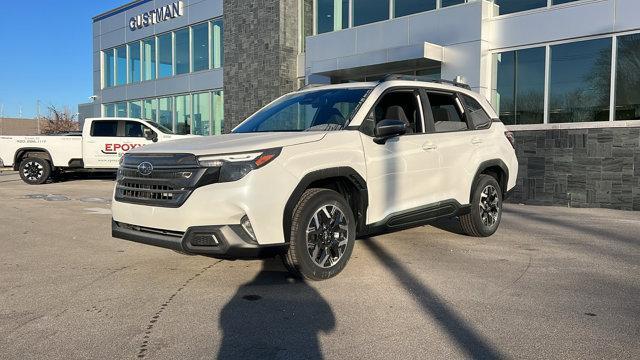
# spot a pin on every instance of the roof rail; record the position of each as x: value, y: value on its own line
x: 424, y: 78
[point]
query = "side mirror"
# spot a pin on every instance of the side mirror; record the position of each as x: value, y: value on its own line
x: 151, y: 135
x: 387, y: 129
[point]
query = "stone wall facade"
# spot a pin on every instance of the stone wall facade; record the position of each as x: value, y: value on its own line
x: 597, y: 167
x: 260, y: 55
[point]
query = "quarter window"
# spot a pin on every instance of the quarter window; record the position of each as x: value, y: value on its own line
x: 475, y: 112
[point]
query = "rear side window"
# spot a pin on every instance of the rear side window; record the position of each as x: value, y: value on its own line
x: 475, y: 112
x: 447, y: 114
x: 107, y: 128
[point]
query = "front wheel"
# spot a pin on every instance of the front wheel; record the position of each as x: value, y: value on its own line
x: 35, y: 171
x: 486, y: 208
x: 322, y: 235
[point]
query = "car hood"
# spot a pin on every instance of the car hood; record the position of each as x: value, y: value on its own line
x: 231, y: 143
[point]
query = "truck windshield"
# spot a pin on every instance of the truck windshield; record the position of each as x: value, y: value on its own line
x: 321, y: 110
x: 160, y: 127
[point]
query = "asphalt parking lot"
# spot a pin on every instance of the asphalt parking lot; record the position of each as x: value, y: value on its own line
x: 552, y: 283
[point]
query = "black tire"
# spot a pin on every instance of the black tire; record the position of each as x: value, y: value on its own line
x: 480, y: 222
x: 299, y: 259
x: 35, y: 171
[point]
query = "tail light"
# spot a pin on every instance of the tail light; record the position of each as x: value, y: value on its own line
x: 511, y: 138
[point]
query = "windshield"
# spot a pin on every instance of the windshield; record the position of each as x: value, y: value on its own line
x: 160, y: 127
x: 321, y: 110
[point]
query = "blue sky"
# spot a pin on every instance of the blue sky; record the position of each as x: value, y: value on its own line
x: 45, y: 53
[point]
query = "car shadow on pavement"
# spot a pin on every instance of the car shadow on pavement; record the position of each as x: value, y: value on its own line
x: 468, y: 340
x: 451, y: 225
x: 66, y: 177
x: 274, y: 316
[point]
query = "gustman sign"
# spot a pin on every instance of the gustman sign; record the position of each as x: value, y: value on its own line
x: 164, y: 13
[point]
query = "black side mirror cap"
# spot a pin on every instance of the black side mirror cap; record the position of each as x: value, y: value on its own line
x: 389, y: 128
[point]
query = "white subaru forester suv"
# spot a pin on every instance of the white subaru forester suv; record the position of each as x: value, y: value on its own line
x: 315, y: 169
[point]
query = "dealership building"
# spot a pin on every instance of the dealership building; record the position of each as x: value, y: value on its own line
x: 563, y: 74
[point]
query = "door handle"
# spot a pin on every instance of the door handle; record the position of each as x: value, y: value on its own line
x: 476, y: 141
x: 429, y: 146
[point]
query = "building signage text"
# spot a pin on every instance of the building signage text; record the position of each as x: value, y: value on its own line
x: 158, y: 15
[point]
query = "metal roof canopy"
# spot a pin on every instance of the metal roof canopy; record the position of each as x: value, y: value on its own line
x: 423, y: 55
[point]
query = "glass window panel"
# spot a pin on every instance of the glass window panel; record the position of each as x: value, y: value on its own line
x: 200, y: 46
x: 109, y: 110
x: 333, y: 15
x: 134, y: 129
x: 165, y: 57
x: 628, y: 78
x: 135, y: 109
x: 201, y: 114
x: 182, y: 51
x: 121, y: 109
x: 183, y: 114
x: 580, y: 81
x: 368, y: 11
x: 121, y: 65
x: 519, y: 90
x: 408, y: 7
x: 165, y: 112
x: 150, y: 109
x: 109, y: 68
x: 218, y: 112
x: 557, y: 2
x: 134, y: 62
x: 102, y: 128
x: 217, y: 46
x: 149, y: 59
x: 511, y: 6
x: 446, y: 3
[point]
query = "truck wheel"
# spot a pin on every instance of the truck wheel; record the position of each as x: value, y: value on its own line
x: 323, y: 232
x: 486, y: 208
x: 35, y: 171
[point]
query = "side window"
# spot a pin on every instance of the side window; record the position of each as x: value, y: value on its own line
x: 400, y: 105
x: 475, y: 112
x: 135, y: 129
x: 447, y: 114
x: 104, y: 128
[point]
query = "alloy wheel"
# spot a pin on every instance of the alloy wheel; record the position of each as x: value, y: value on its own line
x: 327, y: 236
x: 489, y: 205
x: 33, y: 170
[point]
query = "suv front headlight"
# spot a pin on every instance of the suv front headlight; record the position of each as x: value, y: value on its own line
x: 234, y: 167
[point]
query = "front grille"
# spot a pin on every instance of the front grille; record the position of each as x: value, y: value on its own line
x: 169, y: 184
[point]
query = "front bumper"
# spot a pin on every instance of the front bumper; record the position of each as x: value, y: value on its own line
x: 224, y: 242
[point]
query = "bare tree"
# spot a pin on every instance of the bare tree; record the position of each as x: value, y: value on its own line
x: 59, y: 121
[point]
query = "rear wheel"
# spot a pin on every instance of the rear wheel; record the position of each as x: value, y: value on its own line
x: 486, y: 208
x: 35, y: 171
x: 322, y: 235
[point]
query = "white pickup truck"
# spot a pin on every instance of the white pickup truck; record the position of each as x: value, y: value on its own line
x: 100, y: 146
